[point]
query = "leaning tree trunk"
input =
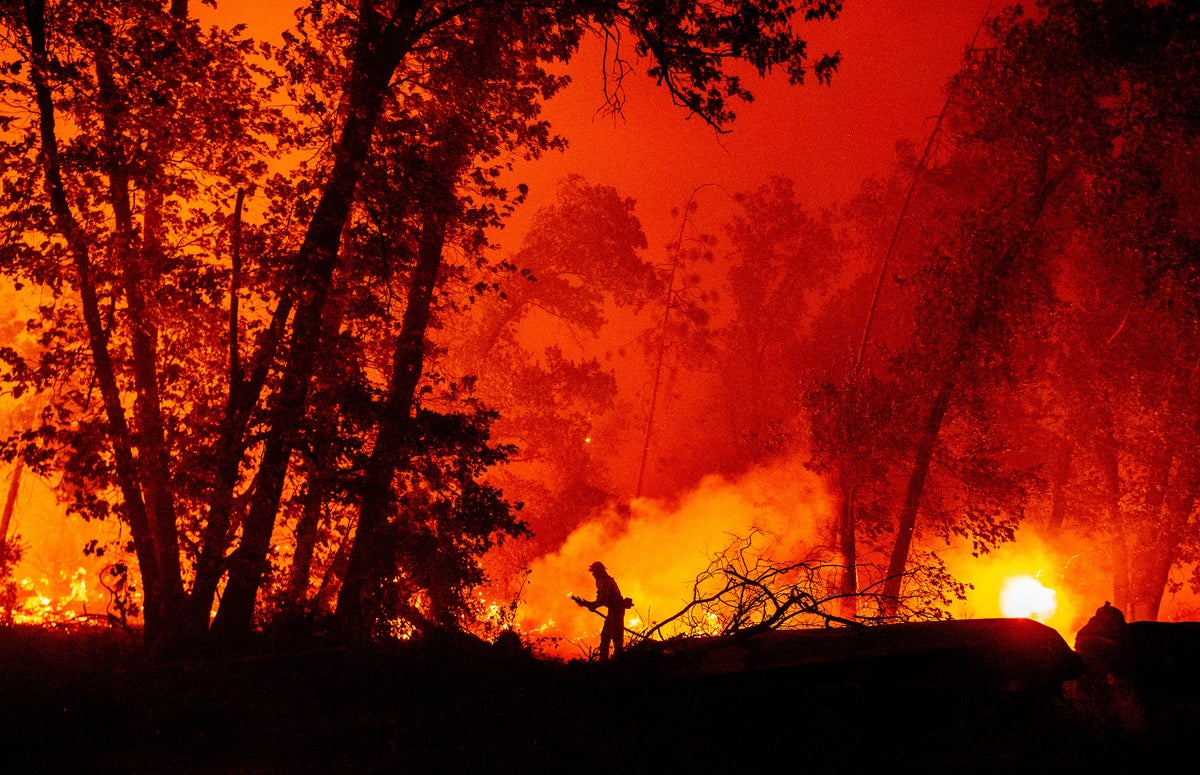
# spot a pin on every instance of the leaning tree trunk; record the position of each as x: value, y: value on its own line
x: 912, y: 497
x: 325, y: 599
x: 985, y: 308
x: 307, y: 530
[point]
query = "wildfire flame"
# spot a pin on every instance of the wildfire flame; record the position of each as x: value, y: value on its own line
x: 39, y: 602
x: 655, y: 549
x: 1025, y: 596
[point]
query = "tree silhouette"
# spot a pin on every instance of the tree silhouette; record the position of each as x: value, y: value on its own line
x: 199, y: 386
x: 1066, y: 182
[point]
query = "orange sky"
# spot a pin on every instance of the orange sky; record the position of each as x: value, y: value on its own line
x: 897, y: 57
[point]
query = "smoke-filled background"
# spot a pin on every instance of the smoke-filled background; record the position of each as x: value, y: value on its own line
x: 660, y: 378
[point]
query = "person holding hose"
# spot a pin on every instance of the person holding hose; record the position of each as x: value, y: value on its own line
x: 608, y: 595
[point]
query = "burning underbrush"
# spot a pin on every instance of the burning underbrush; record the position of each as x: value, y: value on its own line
x: 755, y: 553
x: 79, y: 597
x: 656, y: 550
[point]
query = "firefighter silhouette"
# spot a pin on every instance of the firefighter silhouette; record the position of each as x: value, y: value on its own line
x: 1103, y: 644
x: 608, y: 595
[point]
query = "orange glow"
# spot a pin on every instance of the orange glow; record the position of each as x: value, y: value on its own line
x: 1026, y: 597
x: 898, y: 56
x: 38, y: 604
x: 657, y: 549
x: 1033, y: 577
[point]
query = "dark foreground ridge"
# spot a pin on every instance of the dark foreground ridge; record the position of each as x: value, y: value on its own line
x: 964, y: 696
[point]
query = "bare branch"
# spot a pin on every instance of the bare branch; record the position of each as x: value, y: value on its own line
x: 744, y: 590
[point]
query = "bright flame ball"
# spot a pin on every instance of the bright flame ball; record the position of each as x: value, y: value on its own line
x: 1026, y: 597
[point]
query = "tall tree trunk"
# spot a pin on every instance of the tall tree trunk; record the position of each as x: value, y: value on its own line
x: 848, y: 540
x: 307, y: 529
x: 1060, y: 474
x: 153, y: 450
x: 10, y: 500
x: 133, y: 506
x: 230, y: 444
x: 1150, y: 538
x: 1118, y: 549
x: 364, y: 569
x: 378, y: 49
x: 1153, y: 571
x: 139, y: 275
x: 1172, y: 490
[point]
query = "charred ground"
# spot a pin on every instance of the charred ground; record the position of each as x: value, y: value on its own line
x: 905, y: 700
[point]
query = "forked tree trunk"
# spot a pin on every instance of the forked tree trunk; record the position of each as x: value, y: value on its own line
x: 395, y: 431
x: 377, y: 53
x: 127, y: 471
x: 138, y: 279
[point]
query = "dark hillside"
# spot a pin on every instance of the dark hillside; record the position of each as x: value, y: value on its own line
x: 926, y: 700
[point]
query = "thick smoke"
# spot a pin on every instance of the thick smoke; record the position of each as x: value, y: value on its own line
x: 656, y: 549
